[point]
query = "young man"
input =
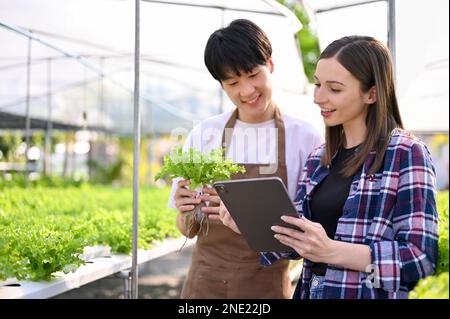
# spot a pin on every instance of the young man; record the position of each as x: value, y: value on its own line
x: 255, y: 135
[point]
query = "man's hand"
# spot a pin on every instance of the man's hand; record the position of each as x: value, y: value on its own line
x: 185, y: 199
x: 212, y: 199
x: 225, y: 217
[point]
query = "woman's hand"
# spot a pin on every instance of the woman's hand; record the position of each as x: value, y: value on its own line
x: 311, y: 243
x: 225, y: 217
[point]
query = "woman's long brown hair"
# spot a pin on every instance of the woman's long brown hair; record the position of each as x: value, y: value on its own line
x: 370, y: 62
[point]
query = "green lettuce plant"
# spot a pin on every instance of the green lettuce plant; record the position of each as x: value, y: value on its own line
x: 43, y: 230
x: 436, y: 286
x: 200, y: 168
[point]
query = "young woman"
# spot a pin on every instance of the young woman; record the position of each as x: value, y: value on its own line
x: 367, y: 196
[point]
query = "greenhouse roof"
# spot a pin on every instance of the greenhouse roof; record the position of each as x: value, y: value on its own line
x: 421, y: 50
x: 82, y: 55
x: 87, y: 48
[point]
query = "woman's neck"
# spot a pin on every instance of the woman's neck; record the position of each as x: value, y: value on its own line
x: 355, y: 134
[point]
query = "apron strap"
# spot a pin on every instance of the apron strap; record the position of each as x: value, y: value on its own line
x: 281, y: 139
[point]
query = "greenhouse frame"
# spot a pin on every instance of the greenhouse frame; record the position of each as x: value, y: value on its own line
x: 82, y: 80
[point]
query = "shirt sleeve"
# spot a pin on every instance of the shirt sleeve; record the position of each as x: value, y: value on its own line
x: 315, y: 140
x: 187, y: 144
x: 412, y: 255
x: 171, y: 203
x: 318, y: 140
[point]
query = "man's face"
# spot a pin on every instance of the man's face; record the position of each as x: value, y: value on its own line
x: 252, y: 93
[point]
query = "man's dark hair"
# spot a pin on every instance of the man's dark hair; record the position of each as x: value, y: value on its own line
x: 240, y: 47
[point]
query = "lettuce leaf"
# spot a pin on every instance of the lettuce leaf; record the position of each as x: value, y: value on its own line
x: 200, y: 168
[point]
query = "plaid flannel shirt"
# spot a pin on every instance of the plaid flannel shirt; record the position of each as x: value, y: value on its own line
x: 393, y: 212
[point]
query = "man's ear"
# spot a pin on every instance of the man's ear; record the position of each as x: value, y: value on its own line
x: 270, y: 64
x: 371, y: 97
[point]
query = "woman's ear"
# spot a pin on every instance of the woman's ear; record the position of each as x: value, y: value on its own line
x: 371, y: 97
x: 270, y: 64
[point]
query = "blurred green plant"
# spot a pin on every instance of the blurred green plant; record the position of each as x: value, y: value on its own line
x: 9, y: 142
x: 119, y: 171
x: 442, y: 204
x: 436, y: 286
x: 126, y: 156
x: 45, y: 230
x: 102, y: 174
x: 18, y: 180
x: 307, y: 39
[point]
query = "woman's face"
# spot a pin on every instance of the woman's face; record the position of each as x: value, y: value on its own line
x: 339, y: 96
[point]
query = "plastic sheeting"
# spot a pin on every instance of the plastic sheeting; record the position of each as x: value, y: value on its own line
x: 422, y: 51
x: 176, y: 89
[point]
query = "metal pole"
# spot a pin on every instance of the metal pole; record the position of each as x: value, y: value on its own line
x: 221, y: 107
x: 46, y: 43
x: 27, y: 114
x: 84, y: 114
x: 136, y: 147
x: 391, y: 32
x: 126, y: 278
x: 101, y: 90
x: 344, y: 6
x: 217, y: 7
x: 48, y: 133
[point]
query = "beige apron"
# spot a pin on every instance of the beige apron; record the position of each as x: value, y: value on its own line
x: 223, y: 266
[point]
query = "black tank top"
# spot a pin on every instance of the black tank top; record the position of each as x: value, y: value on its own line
x: 329, y: 197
